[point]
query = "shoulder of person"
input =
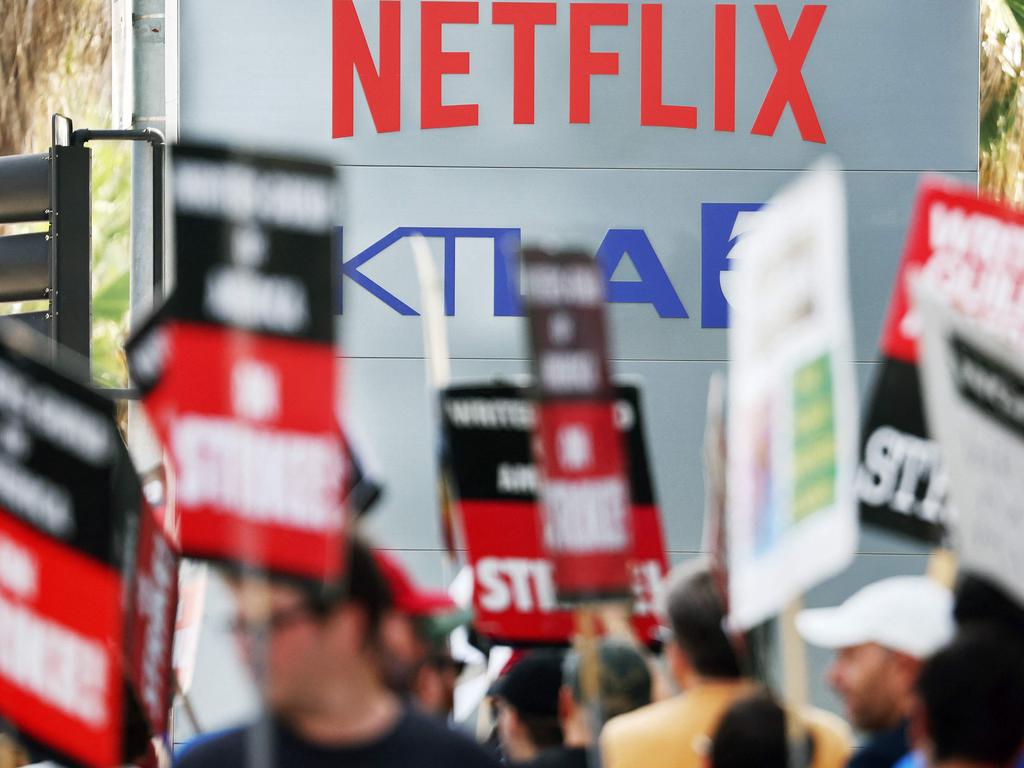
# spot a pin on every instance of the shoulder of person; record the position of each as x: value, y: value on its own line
x: 448, y: 745
x: 833, y: 738
x: 652, y: 719
x: 828, y: 724
x: 220, y: 748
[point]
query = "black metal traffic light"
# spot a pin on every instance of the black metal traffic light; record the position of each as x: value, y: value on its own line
x: 53, y: 264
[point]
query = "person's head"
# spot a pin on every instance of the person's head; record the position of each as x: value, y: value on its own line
x: 752, y: 732
x: 527, y: 700
x: 624, y: 684
x: 318, y: 641
x: 436, y: 679
x: 971, y: 693
x: 881, y: 635
x: 978, y: 599
x: 414, y: 636
x: 700, y: 647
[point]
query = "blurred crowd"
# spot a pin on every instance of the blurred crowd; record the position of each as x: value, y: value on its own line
x: 367, y: 676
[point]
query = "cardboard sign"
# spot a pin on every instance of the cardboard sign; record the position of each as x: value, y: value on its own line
x: 192, y: 583
x: 152, y: 607
x: 488, y: 429
x: 974, y: 393
x: 586, y: 521
x: 63, y: 518
x: 969, y: 249
x: 239, y: 370
x: 714, y: 537
x: 792, y: 402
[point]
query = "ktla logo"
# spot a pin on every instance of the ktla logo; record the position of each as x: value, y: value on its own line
x: 722, y: 225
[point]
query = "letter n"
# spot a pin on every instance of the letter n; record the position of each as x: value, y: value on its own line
x: 653, y: 287
x: 382, y: 86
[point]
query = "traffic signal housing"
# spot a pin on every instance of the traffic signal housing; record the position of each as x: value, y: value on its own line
x: 52, y: 264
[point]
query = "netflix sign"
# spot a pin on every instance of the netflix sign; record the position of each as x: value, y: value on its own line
x: 525, y: 22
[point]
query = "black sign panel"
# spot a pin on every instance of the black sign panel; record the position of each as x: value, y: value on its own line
x: 901, y: 482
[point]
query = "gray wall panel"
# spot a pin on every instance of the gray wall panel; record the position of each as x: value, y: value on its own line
x: 579, y: 207
x: 894, y: 86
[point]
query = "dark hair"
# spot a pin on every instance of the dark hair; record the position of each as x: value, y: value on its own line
x: 363, y: 584
x: 751, y: 732
x: 973, y: 696
x: 695, y: 610
x: 978, y: 599
x: 544, y: 731
x: 624, y: 681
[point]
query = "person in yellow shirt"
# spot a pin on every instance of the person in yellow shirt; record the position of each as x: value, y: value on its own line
x: 676, y: 732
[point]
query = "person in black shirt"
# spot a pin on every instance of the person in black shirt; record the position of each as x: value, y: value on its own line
x: 325, y: 699
x: 526, y: 701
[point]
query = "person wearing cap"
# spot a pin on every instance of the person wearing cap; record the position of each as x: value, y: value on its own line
x: 881, y: 636
x: 623, y: 684
x: 418, y: 664
x: 326, y: 703
x: 676, y: 732
x: 526, y: 699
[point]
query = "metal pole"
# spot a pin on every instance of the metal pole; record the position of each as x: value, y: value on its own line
x: 148, y: 111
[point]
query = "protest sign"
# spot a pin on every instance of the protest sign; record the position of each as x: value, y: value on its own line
x: 973, y: 251
x: 715, y: 540
x: 192, y: 585
x: 63, y: 524
x: 152, y: 605
x: 974, y: 395
x: 488, y: 430
x: 584, y: 489
x: 238, y: 369
x: 792, y: 402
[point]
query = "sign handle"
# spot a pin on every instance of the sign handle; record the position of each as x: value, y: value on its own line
x: 794, y: 685
x: 942, y: 565
x: 439, y: 373
x: 186, y: 704
x: 585, y: 644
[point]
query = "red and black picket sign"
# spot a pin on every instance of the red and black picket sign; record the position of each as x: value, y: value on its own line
x: 584, y: 490
x: 238, y: 369
x: 64, y: 519
x: 488, y: 430
x: 968, y: 247
x: 152, y: 606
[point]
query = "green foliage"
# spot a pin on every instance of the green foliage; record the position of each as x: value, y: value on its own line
x: 111, y: 259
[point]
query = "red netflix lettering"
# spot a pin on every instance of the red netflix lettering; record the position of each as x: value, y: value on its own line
x: 382, y: 87
x: 583, y: 62
x: 788, y: 86
x: 381, y: 82
x: 725, y: 67
x: 524, y: 18
x: 652, y: 110
x: 436, y: 62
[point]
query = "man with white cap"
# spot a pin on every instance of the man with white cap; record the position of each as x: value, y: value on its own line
x: 881, y: 636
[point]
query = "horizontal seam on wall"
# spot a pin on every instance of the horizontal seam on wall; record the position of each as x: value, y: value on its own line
x: 642, y: 168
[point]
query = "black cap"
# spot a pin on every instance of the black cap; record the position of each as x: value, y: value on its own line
x: 531, y: 686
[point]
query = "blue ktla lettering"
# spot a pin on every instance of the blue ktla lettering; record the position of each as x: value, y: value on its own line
x: 653, y: 286
x: 506, y: 240
x: 721, y: 226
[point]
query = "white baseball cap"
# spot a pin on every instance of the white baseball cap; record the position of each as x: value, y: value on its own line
x: 908, y: 614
